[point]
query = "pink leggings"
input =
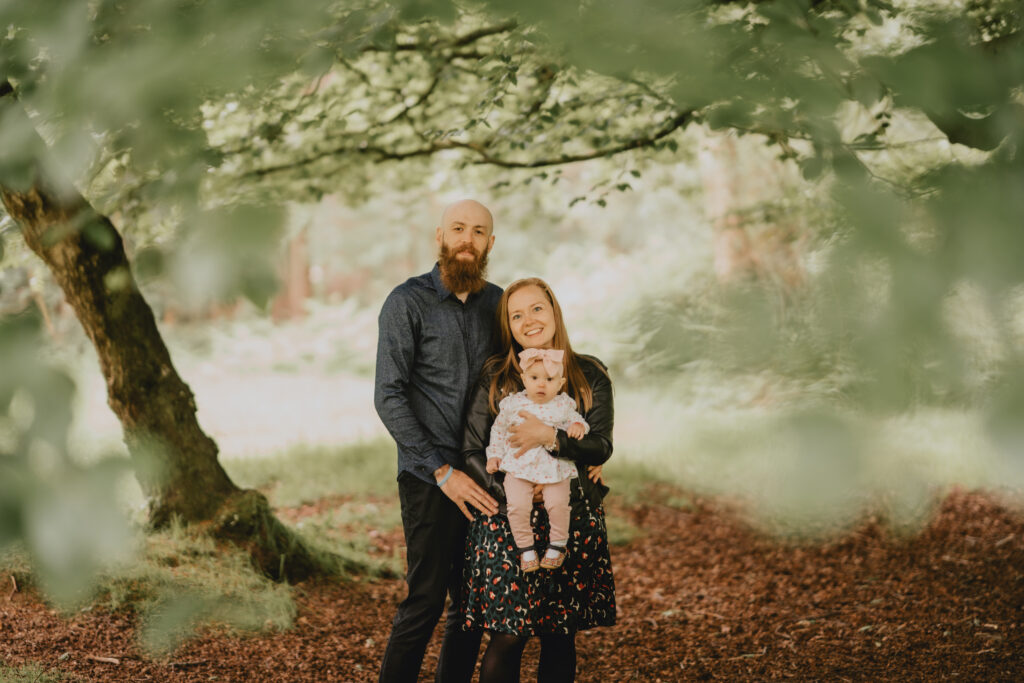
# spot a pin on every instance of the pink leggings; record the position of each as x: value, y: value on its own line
x: 519, y: 497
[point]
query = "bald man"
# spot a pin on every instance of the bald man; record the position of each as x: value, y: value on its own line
x: 436, y: 331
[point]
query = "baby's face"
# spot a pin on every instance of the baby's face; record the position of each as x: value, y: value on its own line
x: 540, y: 386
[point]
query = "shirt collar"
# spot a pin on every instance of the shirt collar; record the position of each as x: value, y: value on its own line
x: 435, y: 277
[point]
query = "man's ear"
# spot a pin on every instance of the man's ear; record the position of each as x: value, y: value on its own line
x: 438, y: 236
x: 490, y: 243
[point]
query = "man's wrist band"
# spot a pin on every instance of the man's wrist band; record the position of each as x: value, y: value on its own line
x: 446, y: 476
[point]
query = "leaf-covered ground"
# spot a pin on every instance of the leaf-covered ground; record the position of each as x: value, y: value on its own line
x: 701, y: 597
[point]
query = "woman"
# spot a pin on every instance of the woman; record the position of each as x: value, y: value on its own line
x: 550, y: 604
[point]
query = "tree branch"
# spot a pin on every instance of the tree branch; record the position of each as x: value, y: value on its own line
x: 380, y: 152
x: 456, y: 42
x: 676, y: 122
x: 415, y: 103
x: 476, y: 35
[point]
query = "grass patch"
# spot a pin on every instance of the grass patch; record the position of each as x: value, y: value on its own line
x: 32, y: 673
x: 14, y: 562
x: 349, y: 530
x: 632, y: 481
x: 182, y: 581
x: 365, y: 515
x: 180, y: 558
x: 620, y: 530
x: 305, y: 474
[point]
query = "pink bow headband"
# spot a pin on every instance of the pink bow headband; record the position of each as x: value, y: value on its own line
x: 551, y: 358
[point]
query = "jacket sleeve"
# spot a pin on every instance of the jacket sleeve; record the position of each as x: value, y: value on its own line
x: 396, y: 354
x: 572, y: 417
x: 596, y: 447
x: 475, y: 439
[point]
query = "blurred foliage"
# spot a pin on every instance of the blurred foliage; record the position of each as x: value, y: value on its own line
x: 182, y: 581
x: 65, y: 515
x: 836, y: 88
x: 189, y: 121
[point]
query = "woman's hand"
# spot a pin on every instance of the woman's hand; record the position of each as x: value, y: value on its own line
x: 538, y: 493
x: 594, y: 474
x: 530, y: 433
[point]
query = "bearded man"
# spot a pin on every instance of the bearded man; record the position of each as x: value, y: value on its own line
x: 436, y: 331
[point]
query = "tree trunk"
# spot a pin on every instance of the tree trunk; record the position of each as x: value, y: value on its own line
x: 747, y: 247
x: 290, y: 303
x: 175, y: 461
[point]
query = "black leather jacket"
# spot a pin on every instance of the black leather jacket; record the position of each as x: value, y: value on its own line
x: 593, y: 449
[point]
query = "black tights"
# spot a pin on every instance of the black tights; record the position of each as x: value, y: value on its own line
x: 504, y: 655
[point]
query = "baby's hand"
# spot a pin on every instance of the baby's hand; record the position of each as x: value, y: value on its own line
x: 576, y: 430
x: 493, y: 464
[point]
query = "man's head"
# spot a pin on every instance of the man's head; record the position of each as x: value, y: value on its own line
x: 464, y: 239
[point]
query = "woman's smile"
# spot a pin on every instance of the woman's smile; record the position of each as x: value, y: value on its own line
x: 530, y: 317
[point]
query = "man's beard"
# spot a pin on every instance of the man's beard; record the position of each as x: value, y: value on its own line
x: 462, y: 276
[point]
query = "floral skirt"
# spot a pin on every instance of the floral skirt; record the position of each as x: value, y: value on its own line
x: 497, y: 596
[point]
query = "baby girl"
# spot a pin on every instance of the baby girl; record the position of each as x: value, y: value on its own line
x: 543, y: 380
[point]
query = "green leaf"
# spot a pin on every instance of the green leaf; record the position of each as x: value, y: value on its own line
x: 259, y: 285
x: 865, y: 90
x: 318, y: 60
x: 99, y: 234
x: 812, y: 167
x: 149, y: 263
x: 74, y: 527
x: 728, y: 115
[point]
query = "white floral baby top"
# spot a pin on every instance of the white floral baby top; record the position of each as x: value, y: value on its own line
x: 535, y: 465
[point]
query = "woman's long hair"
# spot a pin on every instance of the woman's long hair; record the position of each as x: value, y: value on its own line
x: 507, y: 378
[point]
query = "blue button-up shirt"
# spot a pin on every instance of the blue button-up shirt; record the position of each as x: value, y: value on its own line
x: 430, y: 351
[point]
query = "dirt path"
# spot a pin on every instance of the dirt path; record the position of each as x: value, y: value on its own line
x: 700, y: 598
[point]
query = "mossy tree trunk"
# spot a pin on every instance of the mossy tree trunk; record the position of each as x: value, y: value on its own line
x: 175, y: 461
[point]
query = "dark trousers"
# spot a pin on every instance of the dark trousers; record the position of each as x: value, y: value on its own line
x: 435, y: 540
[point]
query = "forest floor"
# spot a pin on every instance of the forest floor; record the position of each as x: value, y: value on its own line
x: 700, y: 595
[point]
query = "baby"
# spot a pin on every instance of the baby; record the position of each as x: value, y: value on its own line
x: 543, y: 379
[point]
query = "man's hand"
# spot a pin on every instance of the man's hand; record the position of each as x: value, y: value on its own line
x: 576, y: 430
x: 594, y: 473
x: 530, y: 433
x: 493, y: 465
x: 463, y: 491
